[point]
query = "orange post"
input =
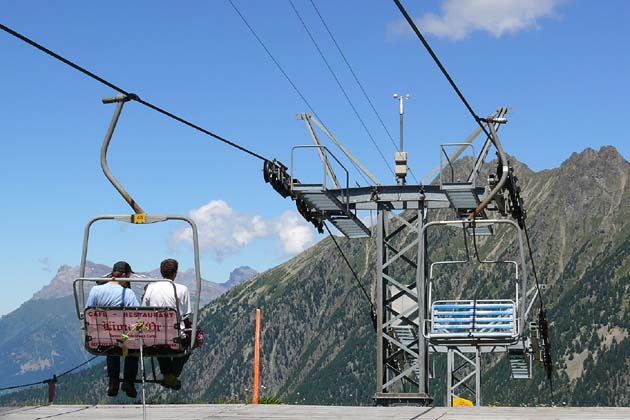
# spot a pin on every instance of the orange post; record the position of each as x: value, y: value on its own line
x: 256, y: 357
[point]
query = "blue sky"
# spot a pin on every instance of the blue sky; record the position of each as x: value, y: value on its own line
x: 561, y: 65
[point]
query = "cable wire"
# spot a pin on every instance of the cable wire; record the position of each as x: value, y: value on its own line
x: 286, y: 76
x: 542, y: 318
x: 354, y: 274
x: 76, y: 367
x: 284, y: 73
x: 531, y: 258
x: 126, y: 93
x: 22, y: 386
x: 45, y: 381
x: 345, y: 94
x: 356, y: 79
x: 439, y: 64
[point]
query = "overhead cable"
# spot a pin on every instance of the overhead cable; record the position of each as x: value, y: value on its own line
x: 284, y: 73
x: 531, y: 258
x: 439, y: 64
x: 354, y: 274
x: 345, y: 94
x: 54, y: 377
x: 126, y: 93
x: 356, y: 79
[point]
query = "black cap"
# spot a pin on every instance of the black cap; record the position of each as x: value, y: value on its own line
x: 123, y: 267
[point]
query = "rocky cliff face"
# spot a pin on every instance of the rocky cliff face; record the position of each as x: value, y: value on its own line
x: 318, y: 345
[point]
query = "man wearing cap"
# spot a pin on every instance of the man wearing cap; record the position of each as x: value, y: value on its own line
x: 116, y: 292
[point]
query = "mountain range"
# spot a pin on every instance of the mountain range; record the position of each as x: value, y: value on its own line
x: 319, y: 346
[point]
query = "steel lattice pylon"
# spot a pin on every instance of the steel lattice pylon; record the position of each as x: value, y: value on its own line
x: 402, y: 357
x: 412, y: 321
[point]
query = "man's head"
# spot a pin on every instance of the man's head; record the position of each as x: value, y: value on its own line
x: 122, y: 269
x: 168, y: 268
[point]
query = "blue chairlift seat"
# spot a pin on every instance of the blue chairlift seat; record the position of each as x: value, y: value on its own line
x: 472, y: 322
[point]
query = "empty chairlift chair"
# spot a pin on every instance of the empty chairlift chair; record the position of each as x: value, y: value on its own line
x: 458, y: 322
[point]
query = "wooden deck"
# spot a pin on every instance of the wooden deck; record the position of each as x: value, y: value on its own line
x: 270, y: 412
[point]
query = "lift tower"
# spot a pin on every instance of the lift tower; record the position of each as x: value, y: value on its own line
x: 409, y: 325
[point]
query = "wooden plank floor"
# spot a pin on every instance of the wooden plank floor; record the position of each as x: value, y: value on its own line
x: 285, y: 412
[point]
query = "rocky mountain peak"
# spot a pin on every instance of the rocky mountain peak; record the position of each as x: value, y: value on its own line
x: 61, y: 284
x: 607, y: 156
x: 240, y: 275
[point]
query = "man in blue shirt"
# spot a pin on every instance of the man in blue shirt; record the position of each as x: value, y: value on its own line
x: 117, y: 293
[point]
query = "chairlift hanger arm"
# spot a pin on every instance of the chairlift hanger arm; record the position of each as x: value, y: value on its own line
x: 499, y: 116
x: 120, y: 102
x: 504, y: 173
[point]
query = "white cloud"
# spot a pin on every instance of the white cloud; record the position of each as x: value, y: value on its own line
x: 294, y: 232
x: 459, y: 18
x: 224, y: 231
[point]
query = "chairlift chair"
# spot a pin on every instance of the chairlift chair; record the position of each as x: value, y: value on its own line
x: 473, y: 321
x: 138, y: 331
x: 110, y: 330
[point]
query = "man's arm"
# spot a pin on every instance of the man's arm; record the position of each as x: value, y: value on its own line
x: 146, y: 298
x: 132, y: 300
x: 185, y: 301
x: 91, y: 297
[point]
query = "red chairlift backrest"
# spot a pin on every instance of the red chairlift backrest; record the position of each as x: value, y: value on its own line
x: 104, y: 329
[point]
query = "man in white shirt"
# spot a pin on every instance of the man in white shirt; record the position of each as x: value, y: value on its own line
x: 162, y: 294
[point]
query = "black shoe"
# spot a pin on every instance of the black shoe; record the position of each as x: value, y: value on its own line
x: 129, y: 389
x: 112, y: 390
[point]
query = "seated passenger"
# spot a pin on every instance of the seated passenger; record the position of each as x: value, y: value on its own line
x: 117, y: 293
x: 161, y: 294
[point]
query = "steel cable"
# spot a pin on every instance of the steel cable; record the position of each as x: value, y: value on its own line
x: 126, y: 93
x: 439, y: 64
x: 48, y: 380
x: 354, y: 274
x: 339, y: 84
x: 284, y: 73
x: 356, y: 79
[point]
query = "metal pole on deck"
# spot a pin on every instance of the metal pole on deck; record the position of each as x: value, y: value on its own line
x: 144, y: 401
x: 256, y: 357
